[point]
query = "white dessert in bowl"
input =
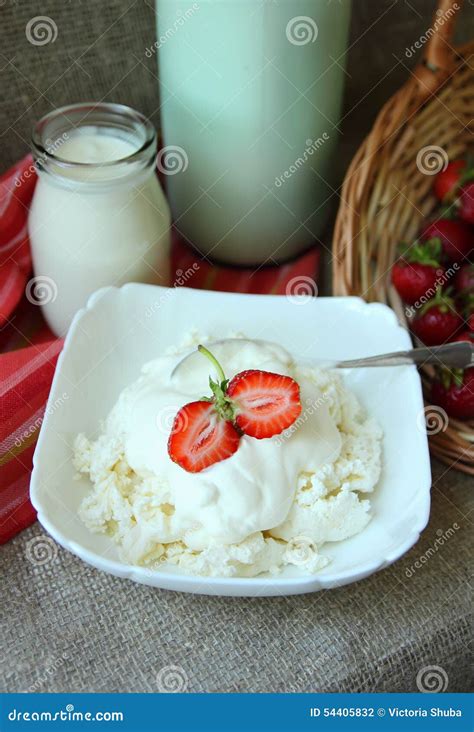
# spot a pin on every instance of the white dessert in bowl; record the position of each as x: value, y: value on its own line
x: 273, y: 503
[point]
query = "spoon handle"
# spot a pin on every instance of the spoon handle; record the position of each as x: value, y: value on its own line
x: 455, y: 355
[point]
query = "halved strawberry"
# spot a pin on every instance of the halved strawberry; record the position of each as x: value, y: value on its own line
x: 257, y: 403
x: 265, y: 404
x: 200, y: 437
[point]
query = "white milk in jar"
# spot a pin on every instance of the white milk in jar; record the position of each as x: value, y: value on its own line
x: 99, y: 216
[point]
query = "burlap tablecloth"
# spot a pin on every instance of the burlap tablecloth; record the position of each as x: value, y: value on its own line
x: 67, y: 627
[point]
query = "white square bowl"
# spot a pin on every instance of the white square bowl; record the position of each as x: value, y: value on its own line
x: 121, y: 329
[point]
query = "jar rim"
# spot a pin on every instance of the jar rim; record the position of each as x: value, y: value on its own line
x: 136, y: 120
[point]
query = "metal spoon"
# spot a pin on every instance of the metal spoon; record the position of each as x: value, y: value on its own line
x: 455, y: 355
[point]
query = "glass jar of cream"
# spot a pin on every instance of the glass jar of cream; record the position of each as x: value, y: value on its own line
x: 98, y: 216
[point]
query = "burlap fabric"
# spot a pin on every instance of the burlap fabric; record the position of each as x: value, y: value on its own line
x: 67, y: 627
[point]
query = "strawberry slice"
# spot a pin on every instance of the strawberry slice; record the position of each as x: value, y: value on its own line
x: 265, y: 404
x: 200, y: 437
x: 256, y: 403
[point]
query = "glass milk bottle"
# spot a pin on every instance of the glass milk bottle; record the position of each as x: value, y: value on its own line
x: 251, y: 95
x: 98, y: 216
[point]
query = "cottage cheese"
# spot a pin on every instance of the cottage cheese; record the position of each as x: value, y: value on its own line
x: 275, y: 502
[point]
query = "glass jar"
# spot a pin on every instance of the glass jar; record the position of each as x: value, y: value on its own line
x: 98, y: 216
x: 251, y: 96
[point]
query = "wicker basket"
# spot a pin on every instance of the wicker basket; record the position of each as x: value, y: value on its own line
x: 387, y: 192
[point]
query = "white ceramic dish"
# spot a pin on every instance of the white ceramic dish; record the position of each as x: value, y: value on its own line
x: 120, y: 329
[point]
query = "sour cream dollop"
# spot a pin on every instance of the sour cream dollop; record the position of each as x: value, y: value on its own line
x: 252, y: 490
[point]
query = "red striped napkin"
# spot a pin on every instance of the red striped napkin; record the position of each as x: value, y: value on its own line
x: 16, y: 189
x: 29, y: 351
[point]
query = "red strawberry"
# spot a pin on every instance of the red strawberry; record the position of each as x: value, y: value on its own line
x: 438, y: 321
x: 413, y: 281
x: 417, y: 271
x: 466, y: 202
x: 455, y: 395
x: 265, y: 403
x: 457, y: 238
x: 466, y: 336
x: 257, y: 403
x: 464, y: 280
x: 200, y: 437
x: 448, y: 180
x: 465, y: 296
